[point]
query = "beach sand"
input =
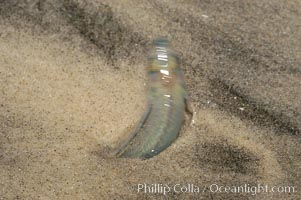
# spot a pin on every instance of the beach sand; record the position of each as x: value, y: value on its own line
x: 72, y: 84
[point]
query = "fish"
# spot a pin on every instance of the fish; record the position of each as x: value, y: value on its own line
x: 167, y: 103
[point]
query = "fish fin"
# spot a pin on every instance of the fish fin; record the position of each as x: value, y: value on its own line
x: 189, y: 108
x: 138, y: 128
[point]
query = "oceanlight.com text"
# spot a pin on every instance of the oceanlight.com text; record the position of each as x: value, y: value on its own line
x: 213, y: 188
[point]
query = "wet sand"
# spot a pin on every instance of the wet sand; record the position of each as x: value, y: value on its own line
x: 72, y: 84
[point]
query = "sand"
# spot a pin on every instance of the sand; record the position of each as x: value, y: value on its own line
x: 72, y: 84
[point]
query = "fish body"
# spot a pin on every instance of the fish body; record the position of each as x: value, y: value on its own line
x: 167, y: 100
